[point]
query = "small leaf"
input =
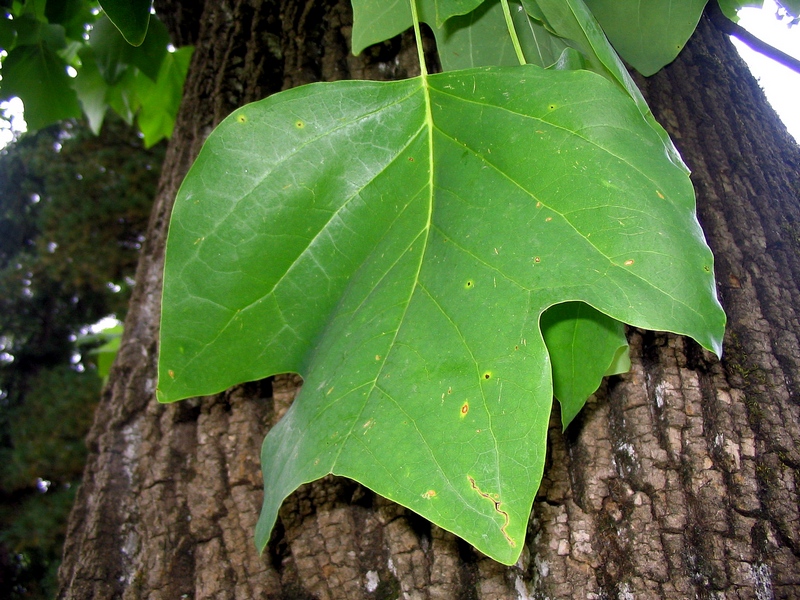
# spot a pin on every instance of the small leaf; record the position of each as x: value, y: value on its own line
x: 148, y: 56
x: 159, y: 101
x: 662, y: 28
x: 114, y: 54
x: 71, y: 14
x: 445, y: 9
x: 396, y: 244
x: 28, y: 29
x: 375, y: 21
x: 584, y: 345
x: 131, y: 17
x: 481, y: 39
x: 91, y: 89
x: 8, y: 34
x: 122, y: 96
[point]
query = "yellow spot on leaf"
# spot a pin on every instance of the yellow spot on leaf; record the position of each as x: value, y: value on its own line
x: 299, y: 124
x: 628, y: 262
x: 429, y: 494
x: 242, y: 118
x: 171, y: 373
x: 464, y: 409
x: 660, y: 195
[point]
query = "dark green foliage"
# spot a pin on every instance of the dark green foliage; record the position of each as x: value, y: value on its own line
x: 66, y: 58
x: 73, y: 212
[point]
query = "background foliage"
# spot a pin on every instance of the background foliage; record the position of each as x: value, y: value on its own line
x: 73, y: 212
x: 65, y: 59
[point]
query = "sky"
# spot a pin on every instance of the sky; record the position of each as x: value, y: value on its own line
x: 780, y: 84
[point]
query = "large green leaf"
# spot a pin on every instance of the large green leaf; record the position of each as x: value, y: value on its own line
x: 648, y: 34
x: 396, y: 244
x: 131, y: 17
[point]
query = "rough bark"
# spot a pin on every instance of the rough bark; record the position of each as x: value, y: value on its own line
x: 679, y: 479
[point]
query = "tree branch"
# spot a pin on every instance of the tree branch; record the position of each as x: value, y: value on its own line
x: 727, y: 26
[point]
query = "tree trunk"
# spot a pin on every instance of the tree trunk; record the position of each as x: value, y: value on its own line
x: 679, y: 479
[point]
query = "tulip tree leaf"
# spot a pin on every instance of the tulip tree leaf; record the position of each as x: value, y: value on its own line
x: 378, y: 20
x: 39, y: 77
x: 662, y: 28
x: 584, y: 346
x: 396, y: 244
x: 573, y: 20
x: 481, y: 39
x: 131, y: 17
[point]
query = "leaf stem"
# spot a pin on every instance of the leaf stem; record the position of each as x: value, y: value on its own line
x: 512, y: 32
x: 420, y: 51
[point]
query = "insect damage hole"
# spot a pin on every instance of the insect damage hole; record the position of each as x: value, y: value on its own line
x: 299, y: 124
x: 469, y: 284
x: 242, y: 118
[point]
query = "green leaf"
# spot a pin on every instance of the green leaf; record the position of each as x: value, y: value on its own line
x: 396, y: 244
x: 131, y: 17
x: 574, y: 21
x: 109, y: 49
x: 108, y: 351
x: 445, y: 9
x: 73, y: 15
x: 28, y: 29
x: 660, y: 32
x: 38, y: 76
x: 377, y: 20
x: 584, y: 346
x: 374, y: 22
x: 114, y: 54
x: 122, y: 96
x: 481, y: 39
x: 731, y: 7
x: 8, y: 34
x: 148, y: 56
x: 159, y: 101
x: 91, y: 88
